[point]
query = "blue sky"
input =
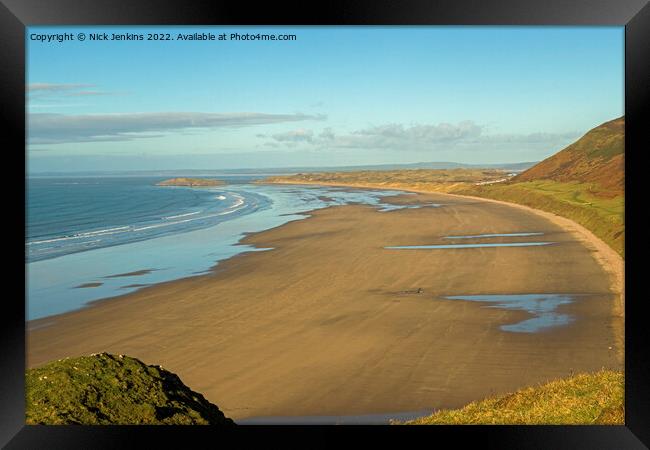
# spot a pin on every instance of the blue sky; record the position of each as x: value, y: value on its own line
x: 334, y: 96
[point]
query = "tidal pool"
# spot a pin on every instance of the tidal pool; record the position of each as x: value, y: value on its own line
x: 542, y: 306
x: 502, y: 244
x: 493, y: 235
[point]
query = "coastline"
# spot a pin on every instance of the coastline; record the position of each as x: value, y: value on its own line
x: 176, y: 255
x: 315, y: 291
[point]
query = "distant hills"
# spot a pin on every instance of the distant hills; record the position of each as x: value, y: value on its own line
x: 597, y: 157
x: 513, y: 167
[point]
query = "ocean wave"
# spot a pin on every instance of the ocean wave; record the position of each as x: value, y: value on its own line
x: 181, y: 215
x: 45, y: 241
x: 210, y: 214
x: 207, y: 216
x: 85, y: 234
x: 100, y: 232
x: 239, y: 202
x: 167, y: 224
x: 227, y: 212
x: 133, y: 228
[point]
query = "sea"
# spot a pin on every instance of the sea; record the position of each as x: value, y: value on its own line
x: 91, y: 238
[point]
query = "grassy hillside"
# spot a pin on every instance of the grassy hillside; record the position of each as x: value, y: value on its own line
x: 596, y: 159
x: 584, y: 182
x: 106, y: 389
x: 602, y: 215
x: 588, y: 398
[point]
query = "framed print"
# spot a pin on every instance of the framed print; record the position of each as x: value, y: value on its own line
x: 375, y: 215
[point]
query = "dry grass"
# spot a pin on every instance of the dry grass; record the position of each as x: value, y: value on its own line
x: 584, y: 399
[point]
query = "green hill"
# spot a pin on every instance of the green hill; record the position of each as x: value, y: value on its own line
x: 106, y: 389
x: 584, y: 399
x: 598, y: 157
x: 584, y: 182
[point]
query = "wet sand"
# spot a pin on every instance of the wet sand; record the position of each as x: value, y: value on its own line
x: 331, y: 323
x: 88, y: 285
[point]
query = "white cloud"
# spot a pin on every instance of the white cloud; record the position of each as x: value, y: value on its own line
x: 299, y: 135
x: 442, y: 132
x: 58, y: 91
x: 62, y: 128
x: 419, y: 137
x: 327, y: 134
x: 528, y: 138
x: 385, y: 136
x: 56, y: 87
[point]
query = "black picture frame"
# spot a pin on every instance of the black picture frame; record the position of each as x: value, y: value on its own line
x: 15, y: 15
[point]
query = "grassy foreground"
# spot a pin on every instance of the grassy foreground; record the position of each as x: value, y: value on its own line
x: 106, y: 389
x: 584, y: 399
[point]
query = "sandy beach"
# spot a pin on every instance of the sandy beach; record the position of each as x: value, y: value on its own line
x: 330, y: 322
